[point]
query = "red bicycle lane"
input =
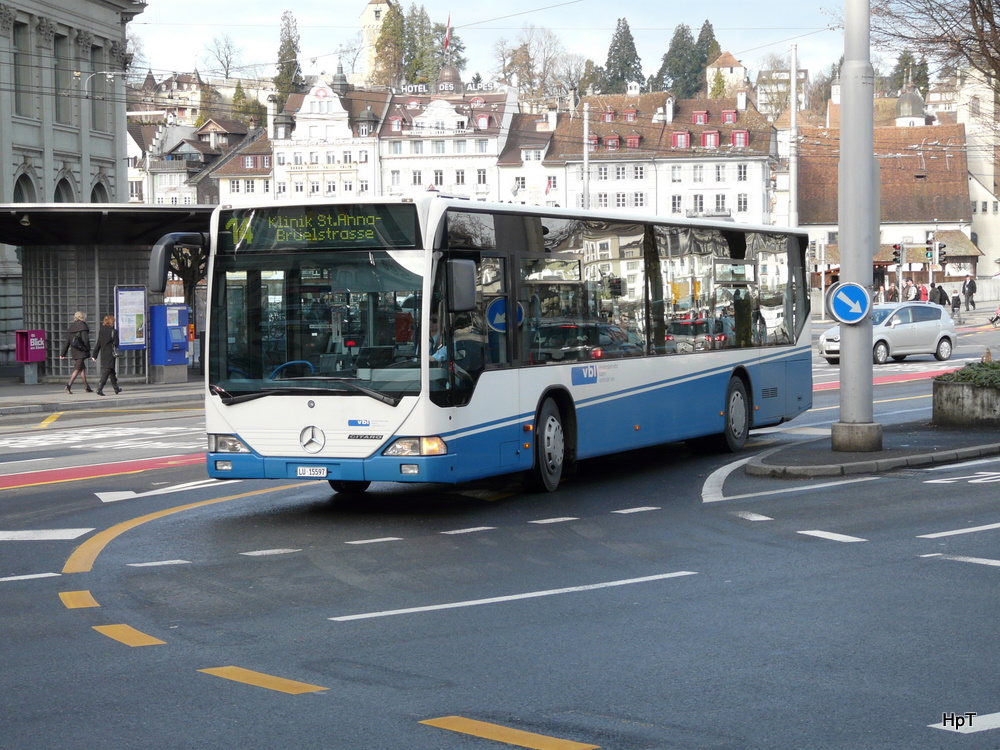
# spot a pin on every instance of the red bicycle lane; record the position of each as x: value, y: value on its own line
x: 76, y: 473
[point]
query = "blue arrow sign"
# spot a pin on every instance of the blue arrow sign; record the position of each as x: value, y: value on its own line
x: 850, y: 303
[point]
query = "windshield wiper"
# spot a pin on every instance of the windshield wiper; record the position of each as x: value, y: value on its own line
x: 354, y: 386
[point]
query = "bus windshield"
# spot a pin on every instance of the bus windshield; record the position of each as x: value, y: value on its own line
x: 330, y: 322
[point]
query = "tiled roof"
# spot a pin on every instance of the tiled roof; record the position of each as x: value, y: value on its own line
x: 924, y: 174
x: 655, y: 136
x: 524, y: 133
x: 726, y: 60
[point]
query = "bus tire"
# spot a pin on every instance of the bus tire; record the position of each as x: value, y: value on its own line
x: 737, y: 422
x: 550, y: 449
x: 348, y: 488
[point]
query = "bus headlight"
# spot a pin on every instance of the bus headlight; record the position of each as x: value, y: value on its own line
x: 417, y: 446
x: 226, y: 444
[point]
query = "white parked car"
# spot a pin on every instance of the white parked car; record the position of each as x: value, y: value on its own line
x: 900, y: 329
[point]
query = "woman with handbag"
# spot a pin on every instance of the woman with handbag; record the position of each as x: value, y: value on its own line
x: 107, y: 348
x: 78, y: 346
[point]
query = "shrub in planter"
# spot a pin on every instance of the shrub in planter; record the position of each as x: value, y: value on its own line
x: 969, y: 396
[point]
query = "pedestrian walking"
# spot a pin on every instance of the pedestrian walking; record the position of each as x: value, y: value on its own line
x: 956, y: 302
x: 969, y: 292
x: 924, y: 294
x: 910, y: 292
x: 107, y: 348
x: 78, y: 346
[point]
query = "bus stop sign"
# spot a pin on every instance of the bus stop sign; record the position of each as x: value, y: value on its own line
x: 850, y: 303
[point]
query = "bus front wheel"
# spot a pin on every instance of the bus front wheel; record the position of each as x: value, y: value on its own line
x: 348, y: 488
x: 550, y: 448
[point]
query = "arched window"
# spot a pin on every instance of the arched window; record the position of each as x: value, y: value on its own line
x: 63, y: 192
x: 24, y: 190
x: 99, y: 194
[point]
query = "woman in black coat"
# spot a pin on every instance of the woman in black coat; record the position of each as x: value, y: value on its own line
x: 107, y: 342
x: 78, y: 333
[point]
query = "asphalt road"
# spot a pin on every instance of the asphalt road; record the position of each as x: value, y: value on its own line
x: 660, y: 599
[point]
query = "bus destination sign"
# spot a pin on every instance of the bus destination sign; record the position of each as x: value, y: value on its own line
x: 344, y: 227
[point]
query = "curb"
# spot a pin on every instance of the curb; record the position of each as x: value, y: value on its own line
x: 758, y: 468
x: 53, y: 407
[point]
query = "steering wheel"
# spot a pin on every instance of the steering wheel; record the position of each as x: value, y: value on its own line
x: 282, y: 366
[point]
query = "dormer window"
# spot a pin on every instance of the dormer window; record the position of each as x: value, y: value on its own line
x: 699, y: 117
x: 482, y: 121
x: 396, y: 124
x: 710, y: 139
x: 632, y: 141
x: 612, y: 142
x: 741, y: 138
x: 413, y: 104
x: 631, y: 115
x: 609, y: 116
x: 591, y: 142
x: 680, y: 140
x: 478, y: 102
x: 729, y: 117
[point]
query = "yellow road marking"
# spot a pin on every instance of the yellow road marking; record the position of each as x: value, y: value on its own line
x: 880, y: 401
x: 83, y: 557
x: 49, y: 420
x: 78, y: 599
x: 259, y: 679
x: 128, y: 635
x: 505, y: 734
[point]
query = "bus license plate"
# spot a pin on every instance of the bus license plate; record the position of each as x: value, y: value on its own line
x: 312, y: 471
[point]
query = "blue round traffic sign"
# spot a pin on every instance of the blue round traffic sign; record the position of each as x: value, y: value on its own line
x: 850, y: 303
x: 496, y: 314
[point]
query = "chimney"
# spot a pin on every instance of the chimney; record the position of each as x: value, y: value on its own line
x: 553, y: 116
x: 669, y: 110
x: 741, y: 100
x: 272, y: 110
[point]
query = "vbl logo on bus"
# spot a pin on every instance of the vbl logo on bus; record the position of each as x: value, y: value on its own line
x: 585, y: 375
x: 359, y: 423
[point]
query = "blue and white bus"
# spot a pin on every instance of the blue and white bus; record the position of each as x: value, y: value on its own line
x: 447, y: 340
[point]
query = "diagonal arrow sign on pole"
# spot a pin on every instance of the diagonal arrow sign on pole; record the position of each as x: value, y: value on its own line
x: 853, y: 304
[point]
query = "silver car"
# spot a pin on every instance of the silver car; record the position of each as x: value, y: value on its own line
x: 898, y: 330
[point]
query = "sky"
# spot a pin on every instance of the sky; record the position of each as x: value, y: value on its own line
x: 176, y: 34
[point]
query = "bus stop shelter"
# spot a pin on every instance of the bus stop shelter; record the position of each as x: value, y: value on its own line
x: 72, y: 258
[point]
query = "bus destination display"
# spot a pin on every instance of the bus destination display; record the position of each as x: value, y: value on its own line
x: 317, y: 227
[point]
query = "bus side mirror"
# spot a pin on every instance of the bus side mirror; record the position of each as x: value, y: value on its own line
x: 159, y: 256
x: 461, y: 285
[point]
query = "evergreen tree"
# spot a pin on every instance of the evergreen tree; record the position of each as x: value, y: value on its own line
x: 389, y: 49
x: 419, y: 63
x: 623, y: 65
x: 902, y: 74
x: 718, y: 86
x: 707, y: 47
x: 454, y: 52
x: 592, y: 80
x: 246, y: 108
x: 680, y: 70
x: 288, y: 79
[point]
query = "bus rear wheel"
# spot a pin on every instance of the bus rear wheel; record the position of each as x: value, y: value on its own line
x: 550, y: 449
x: 348, y: 488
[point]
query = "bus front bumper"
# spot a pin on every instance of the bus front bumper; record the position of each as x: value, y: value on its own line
x: 374, y: 469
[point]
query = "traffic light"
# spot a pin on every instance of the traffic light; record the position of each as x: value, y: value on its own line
x: 897, y: 251
x: 812, y: 250
x: 941, y: 257
x: 929, y: 250
x: 615, y: 286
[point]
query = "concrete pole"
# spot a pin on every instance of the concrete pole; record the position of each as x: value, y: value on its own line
x: 586, y: 155
x: 793, y: 145
x: 857, y: 430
